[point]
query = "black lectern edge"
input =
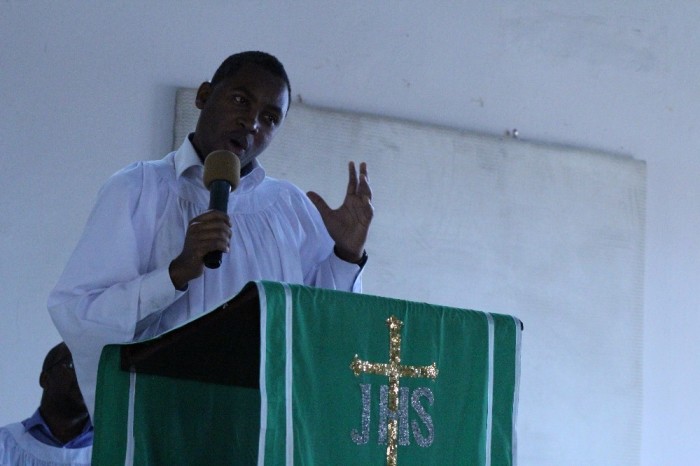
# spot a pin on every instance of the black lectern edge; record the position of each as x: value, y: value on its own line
x: 222, y: 346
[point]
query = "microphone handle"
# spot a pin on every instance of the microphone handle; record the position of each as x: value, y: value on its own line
x: 212, y: 260
x: 218, y: 200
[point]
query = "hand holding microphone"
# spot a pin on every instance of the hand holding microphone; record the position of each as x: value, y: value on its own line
x: 208, y: 234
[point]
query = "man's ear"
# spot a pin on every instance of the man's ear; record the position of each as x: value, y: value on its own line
x: 42, y: 379
x: 202, y: 95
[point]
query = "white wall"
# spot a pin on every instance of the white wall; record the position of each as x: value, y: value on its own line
x: 86, y: 88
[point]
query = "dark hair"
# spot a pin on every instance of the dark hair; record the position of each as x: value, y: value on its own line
x: 54, y: 356
x: 232, y: 64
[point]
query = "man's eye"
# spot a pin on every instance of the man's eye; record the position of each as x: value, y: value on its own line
x: 239, y: 99
x: 272, y: 119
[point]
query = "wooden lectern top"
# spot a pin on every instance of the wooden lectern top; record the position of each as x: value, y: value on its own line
x: 222, y: 346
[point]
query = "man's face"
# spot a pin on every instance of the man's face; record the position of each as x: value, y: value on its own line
x: 61, y: 385
x: 240, y: 113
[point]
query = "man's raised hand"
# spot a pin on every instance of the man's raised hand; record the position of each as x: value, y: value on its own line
x: 348, y: 225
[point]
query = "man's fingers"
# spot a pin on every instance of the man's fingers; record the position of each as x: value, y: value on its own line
x: 363, y: 188
x: 352, y: 178
x: 363, y: 169
x: 212, y: 215
x: 319, y: 202
x: 210, y: 231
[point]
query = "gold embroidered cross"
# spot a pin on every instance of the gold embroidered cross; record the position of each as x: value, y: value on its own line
x: 394, y: 370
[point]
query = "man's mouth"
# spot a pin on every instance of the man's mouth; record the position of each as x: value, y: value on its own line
x: 239, y: 144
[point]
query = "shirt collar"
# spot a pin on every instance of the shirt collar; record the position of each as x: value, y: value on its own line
x: 187, y: 164
x: 34, y: 421
x: 186, y: 158
x: 39, y: 429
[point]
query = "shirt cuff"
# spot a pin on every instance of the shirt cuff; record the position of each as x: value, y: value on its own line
x: 361, y: 262
x: 347, y: 275
x: 157, y: 291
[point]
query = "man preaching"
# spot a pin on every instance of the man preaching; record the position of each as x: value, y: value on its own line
x: 138, y: 269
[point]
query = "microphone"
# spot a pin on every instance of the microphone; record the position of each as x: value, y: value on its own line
x: 222, y: 173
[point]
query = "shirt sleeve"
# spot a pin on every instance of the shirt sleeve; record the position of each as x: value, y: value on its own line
x: 105, y: 288
x: 105, y: 282
x: 345, y: 275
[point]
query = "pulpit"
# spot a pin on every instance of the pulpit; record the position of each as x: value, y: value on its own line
x: 288, y: 374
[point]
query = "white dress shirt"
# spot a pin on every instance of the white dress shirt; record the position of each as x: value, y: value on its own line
x: 116, y: 286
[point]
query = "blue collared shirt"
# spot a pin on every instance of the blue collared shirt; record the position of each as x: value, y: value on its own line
x: 37, y: 428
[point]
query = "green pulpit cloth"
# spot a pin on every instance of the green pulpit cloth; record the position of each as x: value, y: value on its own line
x: 338, y: 379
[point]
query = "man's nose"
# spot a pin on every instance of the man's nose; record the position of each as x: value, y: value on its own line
x: 250, y: 122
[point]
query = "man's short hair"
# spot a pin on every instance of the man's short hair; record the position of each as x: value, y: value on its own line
x: 54, y: 356
x: 232, y: 64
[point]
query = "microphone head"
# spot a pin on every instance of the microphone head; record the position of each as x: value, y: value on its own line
x: 222, y: 165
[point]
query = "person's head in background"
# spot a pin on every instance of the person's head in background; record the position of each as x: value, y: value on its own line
x: 62, y: 405
x: 242, y: 107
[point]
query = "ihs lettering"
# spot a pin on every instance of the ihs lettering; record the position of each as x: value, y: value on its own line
x: 421, y: 424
